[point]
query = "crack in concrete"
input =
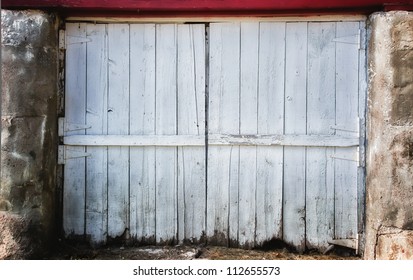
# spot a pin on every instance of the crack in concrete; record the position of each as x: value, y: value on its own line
x: 383, y: 230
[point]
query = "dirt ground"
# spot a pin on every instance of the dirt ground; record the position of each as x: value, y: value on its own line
x: 187, y: 252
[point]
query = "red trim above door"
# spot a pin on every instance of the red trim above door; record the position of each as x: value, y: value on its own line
x: 212, y: 6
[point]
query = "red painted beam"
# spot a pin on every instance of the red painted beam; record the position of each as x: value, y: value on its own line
x: 207, y: 6
x: 398, y: 7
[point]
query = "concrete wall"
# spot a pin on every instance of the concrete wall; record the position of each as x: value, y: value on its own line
x: 29, y: 133
x: 389, y: 208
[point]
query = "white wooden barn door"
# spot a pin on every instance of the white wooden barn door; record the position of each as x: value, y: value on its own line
x: 284, y: 105
x: 133, y: 94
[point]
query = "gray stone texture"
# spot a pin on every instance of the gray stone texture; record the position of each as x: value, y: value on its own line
x: 29, y: 133
x: 389, y: 189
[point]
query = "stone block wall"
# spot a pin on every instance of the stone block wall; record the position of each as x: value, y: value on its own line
x: 28, y: 133
x: 389, y: 187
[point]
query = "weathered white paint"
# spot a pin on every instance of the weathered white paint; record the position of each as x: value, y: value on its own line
x: 75, y: 107
x: 295, y: 123
x: 142, y: 123
x: 283, y: 140
x: 282, y: 132
x: 270, y: 107
x: 224, y: 90
x: 347, y: 101
x: 166, y: 221
x: 96, y: 118
x: 248, y: 123
x: 135, y: 140
x: 191, y: 120
x: 213, y: 140
x: 361, y: 177
x: 118, y: 116
x: 320, y: 118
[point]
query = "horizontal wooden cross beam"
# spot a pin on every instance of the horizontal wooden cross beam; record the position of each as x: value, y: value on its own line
x: 213, y: 140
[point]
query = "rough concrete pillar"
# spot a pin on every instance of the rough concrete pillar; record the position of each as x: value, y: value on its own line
x: 389, y: 208
x: 29, y: 133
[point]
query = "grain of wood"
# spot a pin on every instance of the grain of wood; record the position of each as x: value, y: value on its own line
x: 142, y: 123
x: 96, y: 118
x: 75, y: 107
x: 191, y: 121
x: 320, y: 117
x: 222, y: 197
x: 248, y: 125
x: 347, y: 76
x: 295, y: 123
x: 118, y: 123
x: 361, y: 177
x: 213, y: 140
x: 270, y: 121
x: 166, y: 124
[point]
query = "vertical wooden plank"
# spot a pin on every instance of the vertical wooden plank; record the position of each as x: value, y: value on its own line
x: 295, y: 123
x: 347, y: 72
x: 222, y: 196
x: 96, y: 117
x: 142, y: 122
x: 233, y: 188
x: 320, y: 117
x: 361, y: 193
x: 248, y: 125
x: 191, y: 121
x: 166, y: 124
x: 75, y: 109
x: 270, y: 121
x: 118, y: 123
